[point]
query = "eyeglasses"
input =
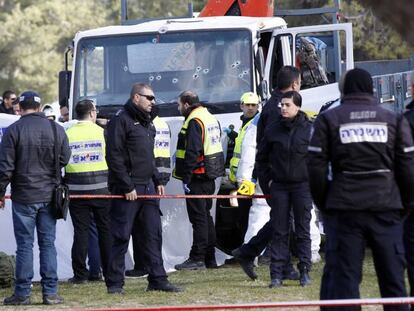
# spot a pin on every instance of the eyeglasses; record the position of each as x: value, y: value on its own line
x: 149, y: 97
x: 13, y: 98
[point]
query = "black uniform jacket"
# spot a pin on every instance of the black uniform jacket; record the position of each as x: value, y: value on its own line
x: 370, y: 152
x: 281, y: 155
x: 3, y: 109
x: 194, y: 149
x: 409, y: 115
x: 130, y: 150
x: 270, y: 113
x: 27, y: 158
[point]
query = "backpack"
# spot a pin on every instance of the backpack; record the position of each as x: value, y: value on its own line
x: 7, y: 268
x: 312, y: 71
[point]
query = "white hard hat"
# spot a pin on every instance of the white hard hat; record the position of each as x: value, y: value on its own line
x: 48, y: 111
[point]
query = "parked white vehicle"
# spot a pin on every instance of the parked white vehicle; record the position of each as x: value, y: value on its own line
x: 219, y: 58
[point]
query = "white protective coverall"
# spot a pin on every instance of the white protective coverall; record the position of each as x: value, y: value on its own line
x: 260, y: 211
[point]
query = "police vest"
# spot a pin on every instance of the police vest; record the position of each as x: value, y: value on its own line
x: 211, y: 162
x: 234, y: 162
x: 162, y: 146
x: 87, y: 170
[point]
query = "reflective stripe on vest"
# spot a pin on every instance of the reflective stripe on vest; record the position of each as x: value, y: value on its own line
x: 87, y: 181
x: 88, y: 187
x: 211, y: 141
x: 234, y: 161
x: 87, y: 169
x: 162, y: 142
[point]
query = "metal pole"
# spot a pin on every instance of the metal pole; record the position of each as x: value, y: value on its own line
x: 124, y: 11
x: 337, y: 43
x: 85, y: 71
x: 190, y: 9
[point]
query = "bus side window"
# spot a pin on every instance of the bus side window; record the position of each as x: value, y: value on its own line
x: 308, y: 59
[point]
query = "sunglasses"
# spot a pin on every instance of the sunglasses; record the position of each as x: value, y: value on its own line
x: 149, y: 97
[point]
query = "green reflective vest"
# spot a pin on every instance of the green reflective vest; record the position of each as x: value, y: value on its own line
x: 211, y: 161
x: 234, y: 161
x: 87, y: 170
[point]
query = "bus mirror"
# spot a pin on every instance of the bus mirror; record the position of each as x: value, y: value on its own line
x: 64, y: 87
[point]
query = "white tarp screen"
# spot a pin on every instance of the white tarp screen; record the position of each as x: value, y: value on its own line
x: 177, y: 231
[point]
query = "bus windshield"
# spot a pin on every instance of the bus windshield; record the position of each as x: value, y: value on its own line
x: 217, y: 65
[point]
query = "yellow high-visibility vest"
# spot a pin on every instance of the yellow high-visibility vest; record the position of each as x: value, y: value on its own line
x: 162, y: 146
x: 211, y: 162
x: 87, y: 169
x: 234, y: 161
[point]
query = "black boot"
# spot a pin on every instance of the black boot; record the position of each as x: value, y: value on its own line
x: 16, y: 300
x: 246, y: 263
x: 164, y: 287
x: 211, y: 264
x: 54, y: 299
x: 190, y: 264
x: 304, y: 277
x: 276, y: 283
x: 210, y: 261
x: 135, y: 273
x: 289, y: 273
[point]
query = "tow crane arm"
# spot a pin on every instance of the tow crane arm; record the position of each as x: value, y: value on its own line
x: 238, y: 8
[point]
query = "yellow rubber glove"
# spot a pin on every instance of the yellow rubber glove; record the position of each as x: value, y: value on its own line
x: 247, y: 188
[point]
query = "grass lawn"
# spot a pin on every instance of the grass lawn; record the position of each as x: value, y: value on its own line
x: 226, y: 285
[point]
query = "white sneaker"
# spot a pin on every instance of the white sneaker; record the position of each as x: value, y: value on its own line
x: 315, y: 257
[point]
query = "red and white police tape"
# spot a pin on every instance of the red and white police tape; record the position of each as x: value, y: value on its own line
x: 267, y: 305
x: 164, y: 196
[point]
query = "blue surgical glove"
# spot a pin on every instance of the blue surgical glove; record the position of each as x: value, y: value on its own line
x: 226, y: 130
x: 174, y: 157
x: 186, y: 189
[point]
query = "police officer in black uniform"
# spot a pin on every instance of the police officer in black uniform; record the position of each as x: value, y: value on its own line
x: 283, y: 151
x: 132, y: 171
x: 409, y: 222
x: 371, y: 153
x: 288, y: 79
